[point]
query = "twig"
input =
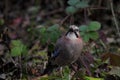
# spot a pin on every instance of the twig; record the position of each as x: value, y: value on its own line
x: 53, y: 12
x: 85, y: 15
x: 21, y: 75
x: 114, y: 18
x: 103, y: 44
x: 94, y: 8
x: 72, y: 19
x: 64, y: 19
x: 99, y: 3
x: 6, y: 8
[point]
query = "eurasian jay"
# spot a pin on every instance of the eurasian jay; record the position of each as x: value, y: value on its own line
x: 67, y: 50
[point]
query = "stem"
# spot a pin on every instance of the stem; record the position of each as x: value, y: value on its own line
x: 114, y: 18
x: 64, y: 19
x: 99, y: 3
x: 103, y: 44
x: 72, y: 20
x: 85, y: 15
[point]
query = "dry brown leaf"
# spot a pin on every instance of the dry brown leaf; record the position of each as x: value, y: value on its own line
x: 114, y: 58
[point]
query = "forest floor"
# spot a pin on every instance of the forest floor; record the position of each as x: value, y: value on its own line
x: 29, y: 30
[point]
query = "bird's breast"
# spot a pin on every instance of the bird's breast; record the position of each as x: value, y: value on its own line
x: 69, y: 52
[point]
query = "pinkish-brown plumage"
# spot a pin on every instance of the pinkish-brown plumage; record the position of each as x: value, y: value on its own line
x: 67, y: 49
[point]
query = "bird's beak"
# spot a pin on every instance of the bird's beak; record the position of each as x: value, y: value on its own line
x: 70, y: 30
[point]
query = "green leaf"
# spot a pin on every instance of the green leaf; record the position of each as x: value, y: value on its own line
x: 71, y: 10
x: 50, y: 78
x: 86, y: 37
x: 16, y: 51
x: 1, y: 21
x: 44, y: 38
x: 83, y: 28
x: 73, y: 2
x: 18, y: 48
x: 43, y: 35
x: 93, y: 35
x: 42, y: 30
x: 51, y: 34
x: 66, y: 73
x: 42, y: 53
x: 16, y: 42
x: 82, y: 4
x: 92, y: 78
x: 82, y: 33
x: 94, y: 25
x: 53, y: 27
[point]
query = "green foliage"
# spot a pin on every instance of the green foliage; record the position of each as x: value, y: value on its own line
x: 86, y: 37
x: 90, y: 31
x: 1, y: 21
x: 18, y: 48
x: 93, y: 35
x: 51, y: 34
x: 73, y: 2
x: 93, y: 26
x: 75, y: 5
x: 92, y: 78
x: 43, y: 35
x: 66, y: 73
x: 82, y: 4
x: 83, y: 28
x: 53, y: 28
x: 71, y: 10
x: 50, y: 78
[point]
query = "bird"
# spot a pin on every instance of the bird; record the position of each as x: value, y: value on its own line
x: 67, y: 50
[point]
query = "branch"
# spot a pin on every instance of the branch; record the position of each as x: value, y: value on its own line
x: 64, y: 19
x: 114, y: 18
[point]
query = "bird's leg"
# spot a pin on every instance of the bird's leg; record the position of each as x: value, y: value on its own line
x: 74, y: 67
x: 61, y: 68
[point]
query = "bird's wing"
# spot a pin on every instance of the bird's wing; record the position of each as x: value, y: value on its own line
x: 57, y: 48
x: 55, y: 53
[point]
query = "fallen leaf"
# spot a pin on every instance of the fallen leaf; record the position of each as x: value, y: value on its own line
x: 114, y: 58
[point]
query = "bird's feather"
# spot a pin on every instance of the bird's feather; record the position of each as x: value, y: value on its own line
x: 67, y: 50
x: 55, y: 53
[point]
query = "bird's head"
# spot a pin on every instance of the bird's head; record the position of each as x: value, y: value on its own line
x: 73, y: 32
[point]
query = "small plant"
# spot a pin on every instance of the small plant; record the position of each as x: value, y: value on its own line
x: 51, y: 34
x: 92, y: 78
x: 66, y: 73
x: 1, y: 21
x: 18, y: 48
x: 90, y: 31
x: 75, y: 5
